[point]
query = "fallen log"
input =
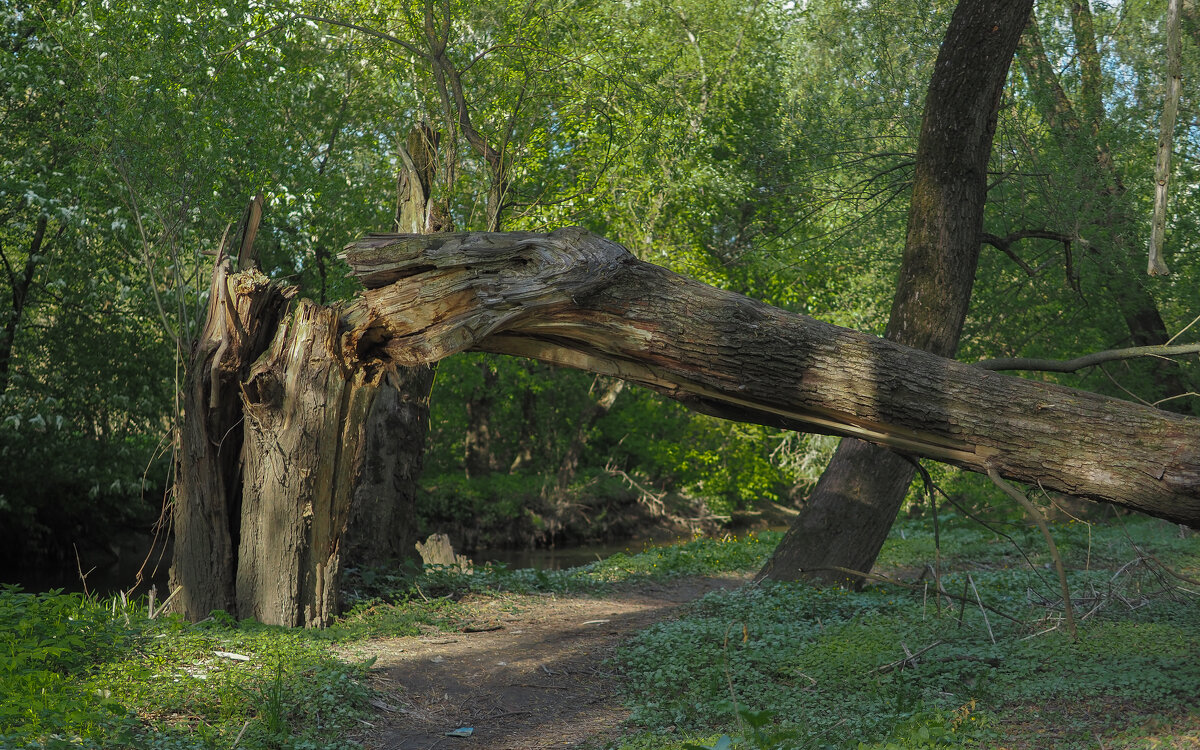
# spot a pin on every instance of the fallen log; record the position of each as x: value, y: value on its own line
x: 575, y: 299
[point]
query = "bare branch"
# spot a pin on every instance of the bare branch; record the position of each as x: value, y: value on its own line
x: 1040, y: 520
x: 1162, y: 164
x: 1088, y: 360
x: 407, y: 46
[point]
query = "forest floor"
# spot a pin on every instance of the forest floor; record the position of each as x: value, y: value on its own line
x: 533, y: 675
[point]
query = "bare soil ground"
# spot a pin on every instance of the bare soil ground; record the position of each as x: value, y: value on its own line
x: 534, y: 676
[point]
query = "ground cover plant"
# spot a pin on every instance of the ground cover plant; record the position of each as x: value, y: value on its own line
x: 80, y: 672
x: 896, y: 666
x: 765, y: 666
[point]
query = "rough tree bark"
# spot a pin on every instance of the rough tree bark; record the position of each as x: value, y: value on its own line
x: 297, y: 460
x: 243, y: 313
x: 851, y: 510
x: 574, y: 299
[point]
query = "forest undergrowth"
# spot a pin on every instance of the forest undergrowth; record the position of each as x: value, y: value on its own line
x: 987, y: 662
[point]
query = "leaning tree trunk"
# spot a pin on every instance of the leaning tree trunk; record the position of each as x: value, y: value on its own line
x: 1078, y: 133
x: 850, y: 511
x: 298, y: 459
x: 572, y: 298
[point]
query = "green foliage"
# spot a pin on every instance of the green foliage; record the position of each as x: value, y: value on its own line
x: 697, y: 557
x: 49, y: 643
x: 488, y: 502
x: 75, y: 672
x: 828, y: 665
x: 766, y: 666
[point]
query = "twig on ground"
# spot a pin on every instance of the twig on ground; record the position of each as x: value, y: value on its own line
x: 981, y: 609
x: 909, y: 660
x: 909, y: 586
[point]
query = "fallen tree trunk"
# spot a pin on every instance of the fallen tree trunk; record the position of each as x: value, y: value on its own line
x: 575, y: 299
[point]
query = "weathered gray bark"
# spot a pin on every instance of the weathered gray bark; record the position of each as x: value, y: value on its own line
x: 243, y: 314
x: 297, y: 459
x: 314, y: 468
x: 850, y: 511
x: 571, y: 298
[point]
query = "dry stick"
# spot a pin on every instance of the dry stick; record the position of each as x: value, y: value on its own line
x: 910, y: 658
x: 909, y: 586
x: 962, y: 605
x: 1146, y: 553
x: 1088, y: 564
x: 238, y: 739
x: 737, y: 714
x: 79, y: 567
x: 981, y: 609
x: 937, y: 537
x: 1040, y: 520
x: 1088, y: 360
x: 162, y: 607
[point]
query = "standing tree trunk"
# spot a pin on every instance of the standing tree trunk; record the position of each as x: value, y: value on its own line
x: 1079, y: 134
x: 20, y: 284
x: 298, y: 458
x: 478, y: 458
x: 850, y: 512
x: 561, y: 507
x: 243, y: 313
x: 1166, y: 133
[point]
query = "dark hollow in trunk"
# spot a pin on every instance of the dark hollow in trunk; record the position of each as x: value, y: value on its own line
x: 296, y: 461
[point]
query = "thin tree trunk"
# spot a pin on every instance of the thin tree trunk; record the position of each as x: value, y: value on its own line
x: 478, y: 459
x: 851, y: 510
x: 1166, y: 134
x: 1083, y: 136
x: 20, y: 284
x: 568, y: 468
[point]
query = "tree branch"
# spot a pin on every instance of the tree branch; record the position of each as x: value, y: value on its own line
x: 1040, y: 520
x: 1088, y: 360
x: 574, y: 299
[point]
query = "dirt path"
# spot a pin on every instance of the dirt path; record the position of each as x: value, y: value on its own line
x: 538, y: 680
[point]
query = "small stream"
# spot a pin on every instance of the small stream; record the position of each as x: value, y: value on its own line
x: 107, y: 573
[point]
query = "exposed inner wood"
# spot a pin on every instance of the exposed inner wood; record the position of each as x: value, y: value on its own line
x: 572, y: 298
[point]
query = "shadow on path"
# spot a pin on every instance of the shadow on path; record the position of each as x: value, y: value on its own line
x: 540, y: 681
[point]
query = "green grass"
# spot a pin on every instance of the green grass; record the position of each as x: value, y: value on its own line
x: 76, y: 672
x: 769, y: 666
